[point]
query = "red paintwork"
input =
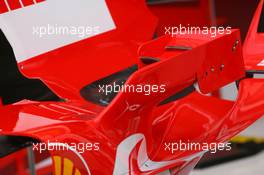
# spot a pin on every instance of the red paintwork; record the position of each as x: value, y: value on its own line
x: 194, y: 118
x: 254, y: 44
x: 98, y: 55
x: 216, y: 120
x: 15, y: 4
x: 193, y: 13
x: 17, y: 163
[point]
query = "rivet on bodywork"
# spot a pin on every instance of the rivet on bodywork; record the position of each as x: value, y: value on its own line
x: 235, y: 45
x: 222, y: 67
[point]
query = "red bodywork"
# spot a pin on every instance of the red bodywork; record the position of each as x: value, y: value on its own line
x: 253, y: 47
x: 132, y: 130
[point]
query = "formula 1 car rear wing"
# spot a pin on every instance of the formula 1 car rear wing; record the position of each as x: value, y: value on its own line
x: 180, y: 62
x: 214, y: 62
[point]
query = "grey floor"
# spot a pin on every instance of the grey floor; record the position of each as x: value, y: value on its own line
x: 248, y: 166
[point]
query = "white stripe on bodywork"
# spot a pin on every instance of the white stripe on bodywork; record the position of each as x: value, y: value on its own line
x: 125, y: 149
x: 21, y: 3
x: 7, y: 5
x: 261, y: 63
x: 18, y: 24
x: 44, y: 164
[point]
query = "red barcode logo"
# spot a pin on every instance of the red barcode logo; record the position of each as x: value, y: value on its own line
x: 10, y: 5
